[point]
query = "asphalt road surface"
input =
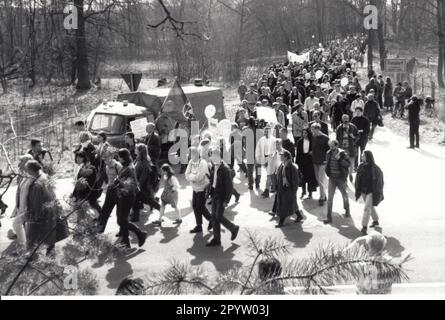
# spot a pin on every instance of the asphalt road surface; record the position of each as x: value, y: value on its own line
x: 412, y: 218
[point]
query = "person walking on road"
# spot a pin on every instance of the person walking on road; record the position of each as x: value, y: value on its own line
x: 265, y: 149
x: 372, y: 112
x: 320, y: 147
x: 242, y: 90
x: 153, y: 143
x: 221, y: 193
x: 306, y: 165
x: 388, y: 95
x: 363, y: 126
x: 414, y: 122
x: 170, y: 194
x: 300, y: 121
x: 112, y: 169
x: 337, y: 169
x: 408, y: 94
x: 369, y: 185
x: 287, y: 187
x: 347, y: 136
x: 399, y: 95
x: 198, y: 175
x: 126, y: 189
x: 145, y: 170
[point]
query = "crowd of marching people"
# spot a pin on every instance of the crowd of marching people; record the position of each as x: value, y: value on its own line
x: 296, y: 151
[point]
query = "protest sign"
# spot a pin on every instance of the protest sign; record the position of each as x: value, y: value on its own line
x: 138, y: 127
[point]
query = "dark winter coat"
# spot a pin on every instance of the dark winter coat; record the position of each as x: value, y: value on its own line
x: 338, y: 110
x: 91, y: 190
x: 362, y: 124
x: 377, y: 182
x: 153, y: 143
x: 143, y: 171
x: 352, y: 136
x: 344, y: 164
x: 289, y: 146
x: 306, y: 166
x: 320, y: 147
x: 413, y: 112
x: 286, y: 197
x: 224, y: 183
x: 41, y: 214
x: 372, y: 111
x: 126, y: 185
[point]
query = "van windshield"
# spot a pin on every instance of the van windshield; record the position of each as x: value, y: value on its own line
x: 108, y: 123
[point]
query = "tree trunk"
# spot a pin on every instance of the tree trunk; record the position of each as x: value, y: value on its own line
x: 321, y: 18
x: 381, y: 35
x: 4, y: 85
x: 83, y: 74
x: 441, y: 38
x: 32, y: 40
x: 238, y: 55
x: 370, y: 51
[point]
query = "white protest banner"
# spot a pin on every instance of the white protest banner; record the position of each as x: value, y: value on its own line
x: 295, y: 58
x: 138, y: 127
x: 267, y: 114
x: 213, y: 126
x: 292, y: 56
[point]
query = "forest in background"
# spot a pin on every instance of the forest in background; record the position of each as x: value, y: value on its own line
x: 194, y: 38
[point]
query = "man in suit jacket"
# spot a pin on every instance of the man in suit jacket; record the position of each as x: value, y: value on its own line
x: 153, y: 143
x: 221, y: 191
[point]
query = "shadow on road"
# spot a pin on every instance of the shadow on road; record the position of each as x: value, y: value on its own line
x: 260, y: 204
x: 169, y: 234
x: 121, y: 269
x: 346, y: 227
x: 221, y: 258
x: 429, y: 155
x: 295, y: 234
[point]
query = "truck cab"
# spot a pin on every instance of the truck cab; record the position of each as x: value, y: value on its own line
x: 113, y: 118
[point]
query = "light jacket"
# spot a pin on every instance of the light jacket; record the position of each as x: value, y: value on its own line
x: 198, y: 175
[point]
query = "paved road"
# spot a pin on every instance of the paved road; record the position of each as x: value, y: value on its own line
x: 412, y: 218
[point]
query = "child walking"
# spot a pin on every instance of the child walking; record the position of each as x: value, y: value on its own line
x: 170, y: 194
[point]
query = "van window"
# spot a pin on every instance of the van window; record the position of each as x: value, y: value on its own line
x: 108, y: 123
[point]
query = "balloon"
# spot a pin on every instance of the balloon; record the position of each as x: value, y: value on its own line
x: 210, y: 111
x: 308, y: 76
x: 225, y: 128
x: 344, y: 82
x: 318, y: 74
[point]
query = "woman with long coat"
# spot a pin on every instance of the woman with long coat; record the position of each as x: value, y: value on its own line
x: 387, y: 94
x: 306, y: 165
x: 369, y: 185
x: 126, y: 187
x: 287, y: 186
x: 41, y: 209
x: 87, y: 184
x: 144, y: 172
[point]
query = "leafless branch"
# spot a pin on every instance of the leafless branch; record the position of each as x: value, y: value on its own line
x: 178, y: 26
